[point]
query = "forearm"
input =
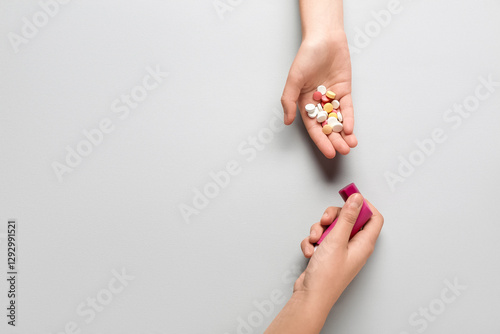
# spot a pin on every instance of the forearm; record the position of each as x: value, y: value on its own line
x: 321, y: 17
x: 302, y: 314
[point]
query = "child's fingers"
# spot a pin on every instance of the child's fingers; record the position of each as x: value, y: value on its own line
x: 316, y: 133
x: 371, y: 230
x: 317, y: 229
x: 350, y: 212
x: 291, y: 93
x: 307, y: 248
x: 329, y: 216
x: 351, y: 139
x: 339, y: 143
x: 362, y: 244
x: 347, y: 113
x: 316, y: 232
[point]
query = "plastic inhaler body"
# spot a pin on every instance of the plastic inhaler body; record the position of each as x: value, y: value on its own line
x: 364, y: 214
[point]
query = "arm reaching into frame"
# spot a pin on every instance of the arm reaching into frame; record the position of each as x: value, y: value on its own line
x: 323, y: 59
x: 331, y: 268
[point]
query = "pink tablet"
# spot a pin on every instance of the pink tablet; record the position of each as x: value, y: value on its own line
x: 364, y: 214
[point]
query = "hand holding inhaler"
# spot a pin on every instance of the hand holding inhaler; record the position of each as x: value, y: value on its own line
x: 342, y: 252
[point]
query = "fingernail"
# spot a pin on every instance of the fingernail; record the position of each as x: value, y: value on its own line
x: 356, y: 200
x: 325, y: 215
x: 313, y: 233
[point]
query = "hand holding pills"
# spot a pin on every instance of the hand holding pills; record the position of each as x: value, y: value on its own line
x: 326, y: 112
x: 320, y: 76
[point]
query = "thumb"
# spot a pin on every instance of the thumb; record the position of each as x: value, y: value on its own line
x: 290, y: 96
x: 348, y: 215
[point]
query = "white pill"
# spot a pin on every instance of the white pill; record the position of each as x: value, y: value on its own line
x: 339, y: 116
x: 314, y: 113
x: 335, y: 104
x: 332, y: 121
x: 320, y: 108
x: 310, y: 107
x: 336, y: 125
x: 322, y: 116
x: 322, y: 89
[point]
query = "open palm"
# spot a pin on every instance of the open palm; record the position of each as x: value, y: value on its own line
x: 322, y: 62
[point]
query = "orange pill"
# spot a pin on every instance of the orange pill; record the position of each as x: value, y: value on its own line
x: 327, y: 129
x: 332, y: 114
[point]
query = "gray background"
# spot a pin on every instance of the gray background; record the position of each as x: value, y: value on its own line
x: 119, y: 209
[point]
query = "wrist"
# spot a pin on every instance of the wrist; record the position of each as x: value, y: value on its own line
x: 301, y: 314
x: 314, y: 304
x: 324, y: 37
x: 320, y: 19
x: 322, y: 32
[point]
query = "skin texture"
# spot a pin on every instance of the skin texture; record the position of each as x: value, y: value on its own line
x: 323, y: 59
x: 331, y: 268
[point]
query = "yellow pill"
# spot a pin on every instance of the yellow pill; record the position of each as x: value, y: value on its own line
x: 333, y: 114
x: 331, y: 94
x: 328, y: 107
x: 327, y: 129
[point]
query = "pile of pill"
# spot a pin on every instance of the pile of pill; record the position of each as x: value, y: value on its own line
x: 326, y: 111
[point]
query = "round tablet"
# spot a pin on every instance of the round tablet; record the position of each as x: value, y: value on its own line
x: 322, y: 116
x: 335, y: 104
x: 331, y: 94
x: 317, y: 96
x: 332, y: 114
x: 327, y: 129
x: 328, y: 107
x: 322, y: 89
x: 310, y: 107
x: 325, y: 99
x: 337, y: 127
x: 313, y: 114
x: 332, y: 121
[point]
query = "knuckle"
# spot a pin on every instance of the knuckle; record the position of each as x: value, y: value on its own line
x: 283, y: 99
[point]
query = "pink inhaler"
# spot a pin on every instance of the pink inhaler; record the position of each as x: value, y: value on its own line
x: 364, y: 215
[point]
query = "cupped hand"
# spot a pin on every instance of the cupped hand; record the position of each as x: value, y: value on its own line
x: 322, y: 61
